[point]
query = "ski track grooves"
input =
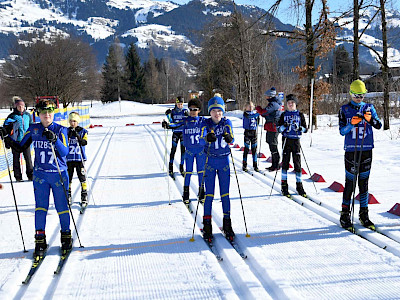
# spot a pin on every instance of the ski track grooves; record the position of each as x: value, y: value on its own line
x: 381, y: 238
x: 246, y: 276
x: 48, y: 282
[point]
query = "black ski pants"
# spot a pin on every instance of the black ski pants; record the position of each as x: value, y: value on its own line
x: 250, y: 140
x: 80, y: 170
x: 292, y: 146
x: 17, y: 165
x: 176, y: 137
x: 272, y: 141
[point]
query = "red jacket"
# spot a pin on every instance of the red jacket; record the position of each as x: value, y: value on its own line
x: 268, y: 126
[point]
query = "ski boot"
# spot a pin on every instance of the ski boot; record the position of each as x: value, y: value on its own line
x: 285, y: 188
x: 171, y: 170
x: 255, y: 167
x: 66, y: 241
x: 244, y: 167
x: 40, y: 244
x: 84, y: 200
x: 300, y: 189
x: 181, y: 170
x: 186, y: 195
x: 364, y: 219
x: 207, y: 229
x: 201, y: 195
x: 227, y: 229
x: 345, y: 220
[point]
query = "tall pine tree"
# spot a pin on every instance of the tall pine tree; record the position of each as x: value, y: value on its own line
x: 113, y: 75
x: 134, y: 74
x: 153, y: 86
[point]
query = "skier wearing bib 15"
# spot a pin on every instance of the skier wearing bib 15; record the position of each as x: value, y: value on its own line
x: 174, y: 116
x: 217, y: 132
x: 356, y: 120
x: 250, y: 123
x: 77, y: 140
x: 194, y: 145
x: 292, y: 124
x: 43, y: 136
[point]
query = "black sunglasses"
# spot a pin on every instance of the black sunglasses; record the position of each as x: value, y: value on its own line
x: 194, y: 108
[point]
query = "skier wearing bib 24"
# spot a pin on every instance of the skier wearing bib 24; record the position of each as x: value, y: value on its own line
x: 45, y: 173
x: 291, y: 124
x: 194, y: 145
x: 250, y: 123
x: 218, y: 133
x: 174, y: 116
x: 77, y: 140
x: 356, y: 120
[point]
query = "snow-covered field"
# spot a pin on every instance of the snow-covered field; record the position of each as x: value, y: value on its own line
x: 136, y: 245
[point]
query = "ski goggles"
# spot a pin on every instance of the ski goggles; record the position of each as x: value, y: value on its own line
x: 48, y: 109
x: 358, y: 96
x: 194, y: 108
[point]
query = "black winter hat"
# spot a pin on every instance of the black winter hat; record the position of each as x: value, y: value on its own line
x: 292, y: 97
x: 195, y: 102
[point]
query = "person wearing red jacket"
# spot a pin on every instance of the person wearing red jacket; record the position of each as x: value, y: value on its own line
x: 272, y: 113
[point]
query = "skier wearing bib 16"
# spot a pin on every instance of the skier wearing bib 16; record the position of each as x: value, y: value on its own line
x: 77, y: 140
x: 45, y: 173
x: 250, y: 123
x: 174, y: 116
x: 291, y: 124
x: 218, y: 133
x: 356, y: 120
x: 194, y: 145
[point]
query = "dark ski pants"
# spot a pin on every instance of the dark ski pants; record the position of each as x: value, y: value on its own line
x: 43, y: 182
x: 80, y: 170
x: 217, y: 166
x: 17, y: 165
x: 292, y: 146
x: 272, y: 141
x: 363, y: 176
x: 176, y: 137
x: 250, y: 139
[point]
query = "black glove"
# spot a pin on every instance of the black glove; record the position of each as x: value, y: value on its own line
x: 3, y: 132
x: 246, y: 114
x: 186, y: 113
x: 73, y: 132
x: 164, y: 124
x: 227, y: 137
x: 296, y: 127
x: 211, y: 137
x: 286, y: 124
x: 50, y: 135
x: 167, y: 112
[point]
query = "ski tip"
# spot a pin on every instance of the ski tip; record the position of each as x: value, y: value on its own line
x: 248, y: 235
x: 191, y: 240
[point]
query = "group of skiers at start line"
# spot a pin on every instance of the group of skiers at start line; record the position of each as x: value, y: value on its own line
x: 207, y: 140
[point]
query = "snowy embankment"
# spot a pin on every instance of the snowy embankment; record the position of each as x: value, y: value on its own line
x: 137, y: 245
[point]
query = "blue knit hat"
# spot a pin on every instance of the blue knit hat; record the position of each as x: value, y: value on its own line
x: 271, y: 92
x: 216, y: 102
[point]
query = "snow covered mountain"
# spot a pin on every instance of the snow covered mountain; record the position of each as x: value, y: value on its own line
x: 164, y: 26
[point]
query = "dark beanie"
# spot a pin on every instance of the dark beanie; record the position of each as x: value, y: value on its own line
x: 292, y: 97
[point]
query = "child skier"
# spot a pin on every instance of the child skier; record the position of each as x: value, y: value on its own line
x: 218, y: 133
x: 250, y: 123
x: 77, y: 140
x: 194, y: 145
x: 356, y: 120
x: 292, y: 124
x: 175, y: 115
x: 43, y: 136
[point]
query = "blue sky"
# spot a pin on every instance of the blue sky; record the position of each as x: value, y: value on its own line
x: 286, y: 14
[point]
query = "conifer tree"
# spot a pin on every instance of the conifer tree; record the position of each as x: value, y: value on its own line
x: 134, y: 76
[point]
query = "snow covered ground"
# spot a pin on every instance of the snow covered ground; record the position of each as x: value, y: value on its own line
x: 136, y: 245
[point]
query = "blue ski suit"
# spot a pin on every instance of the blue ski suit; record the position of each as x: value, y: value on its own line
x: 194, y: 144
x: 176, y: 115
x: 250, y: 123
x: 45, y: 173
x: 217, y: 163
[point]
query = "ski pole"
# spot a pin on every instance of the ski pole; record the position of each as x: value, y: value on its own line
x: 65, y: 191
x: 276, y: 172
x: 240, y: 194
x: 12, y: 188
x: 165, y: 153
x: 356, y: 169
x: 201, y: 187
x: 308, y: 168
x: 87, y: 175
x: 259, y: 148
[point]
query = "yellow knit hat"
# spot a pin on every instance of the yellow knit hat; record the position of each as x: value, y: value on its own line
x: 74, y: 116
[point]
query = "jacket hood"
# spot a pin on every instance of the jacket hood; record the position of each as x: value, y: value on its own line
x: 274, y: 99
